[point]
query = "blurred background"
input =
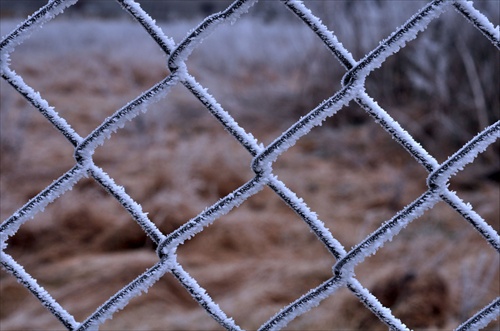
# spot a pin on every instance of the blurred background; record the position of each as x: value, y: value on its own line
x: 266, y: 70
x: 165, y: 10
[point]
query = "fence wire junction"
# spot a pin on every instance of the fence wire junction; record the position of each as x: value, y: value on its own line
x: 263, y: 159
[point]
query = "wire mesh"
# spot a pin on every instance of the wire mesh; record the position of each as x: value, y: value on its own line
x: 263, y: 159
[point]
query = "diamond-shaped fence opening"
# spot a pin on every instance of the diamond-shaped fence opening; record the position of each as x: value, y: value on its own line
x: 253, y: 193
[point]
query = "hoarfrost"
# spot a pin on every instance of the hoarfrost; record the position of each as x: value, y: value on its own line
x: 10, y: 226
x: 353, y: 88
x: 203, y: 30
x: 396, y: 41
x: 464, y: 156
x: 136, y: 287
x: 11, y: 266
x: 32, y: 23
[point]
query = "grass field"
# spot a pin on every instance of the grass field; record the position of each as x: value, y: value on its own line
x: 176, y: 160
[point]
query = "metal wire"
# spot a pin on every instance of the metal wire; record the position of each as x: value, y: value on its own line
x: 263, y: 158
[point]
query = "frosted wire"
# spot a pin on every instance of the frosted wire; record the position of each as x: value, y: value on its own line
x: 353, y: 89
x: 17, y: 270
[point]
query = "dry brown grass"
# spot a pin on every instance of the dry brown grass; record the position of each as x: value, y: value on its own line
x: 175, y: 161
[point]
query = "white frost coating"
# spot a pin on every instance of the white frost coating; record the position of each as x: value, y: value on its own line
x: 121, y: 116
x: 464, y: 156
x: 484, y: 23
x: 344, y: 269
x: 391, y: 125
x: 382, y: 312
x: 397, y: 40
x: 209, y: 215
x: 203, y: 30
x: 10, y: 226
x: 136, y: 8
x: 229, y: 123
x: 35, y: 98
x: 136, y: 287
x: 126, y: 201
x: 323, y: 31
x: 315, y: 117
x: 415, y: 149
x: 385, y: 233
x: 486, y: 230
x: 310, y: 216
x: 242, y: 10
x: 201, y: 296
x: 32, y: 23
x: 303, y: 304
x: 482, y: 318
x: 11, y: 266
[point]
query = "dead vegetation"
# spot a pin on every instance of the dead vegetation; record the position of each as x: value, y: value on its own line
x: 175, y: 160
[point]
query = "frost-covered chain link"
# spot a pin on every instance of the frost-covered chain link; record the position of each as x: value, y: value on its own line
x: 352, y: 89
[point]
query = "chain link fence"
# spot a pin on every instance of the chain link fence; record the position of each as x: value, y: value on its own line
x: 167, y: 244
